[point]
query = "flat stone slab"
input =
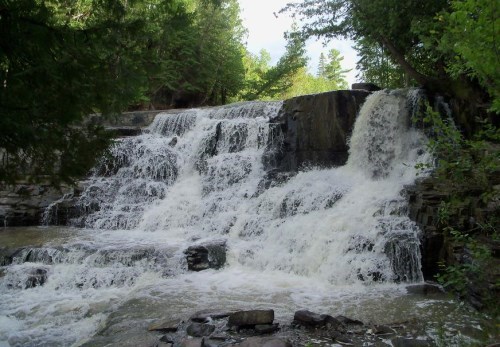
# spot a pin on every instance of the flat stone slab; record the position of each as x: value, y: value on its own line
x: 252, y: 317
x: 165, y: 325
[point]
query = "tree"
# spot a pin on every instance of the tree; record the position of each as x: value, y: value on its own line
x: 321, y: 65
x: 275, y: 80
x: 402, y: 29
x: 376, y: 67
x: 333, y: 69
x: 55, y: 67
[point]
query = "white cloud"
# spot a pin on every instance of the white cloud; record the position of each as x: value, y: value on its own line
x: 266, y: 28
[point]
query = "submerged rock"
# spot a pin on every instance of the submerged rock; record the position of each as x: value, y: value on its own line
x: 206, y: 256
x: 252, y: 317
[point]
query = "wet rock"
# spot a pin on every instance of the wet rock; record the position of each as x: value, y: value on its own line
x: 173, y: 142
x: 6, y: 256
x: 265, y: 342
x: 342, y: 339
x: 310, y: 319
x: 348, y: 321
x: 252, y: 317
x: 403, y: 342
x: 167, y: 338
x: 382, y: 330
x: 192, y: 343
x: 316, y: 128
x: 424, y: 289
x: 206, y: 256
x: 200, y: 329
x: 37, y: 277
x: 165, y: 325
x: 206, y: 315
x: 266, y: 328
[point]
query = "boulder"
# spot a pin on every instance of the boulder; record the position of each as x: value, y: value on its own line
x: 252, y: 317
x: 310, y: 319
x: 200, y: 329
x: 206, y: 256
x: 37, y: 277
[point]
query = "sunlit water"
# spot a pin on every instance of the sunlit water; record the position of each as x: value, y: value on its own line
x: 335, y: 241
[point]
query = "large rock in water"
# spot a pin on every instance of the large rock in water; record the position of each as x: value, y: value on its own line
x: 252, y: 317
x: 206, y: 256
x: 316, y: 128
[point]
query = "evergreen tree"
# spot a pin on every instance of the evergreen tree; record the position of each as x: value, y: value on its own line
x: 321, y: 66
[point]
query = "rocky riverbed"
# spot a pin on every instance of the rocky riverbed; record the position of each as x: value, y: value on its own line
x: 256, y: 328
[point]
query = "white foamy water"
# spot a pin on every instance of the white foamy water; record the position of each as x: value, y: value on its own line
x: 324, y: 238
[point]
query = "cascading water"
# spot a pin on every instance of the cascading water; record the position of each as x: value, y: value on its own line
x: 201, y: 175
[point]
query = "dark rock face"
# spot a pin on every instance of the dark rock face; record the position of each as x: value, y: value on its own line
x: 371, y: 87
x: 438, y: 246
x: 24, y: 204
x: 206, y: 256
x: 316, y: 128
x: 252, y: 317
x: 6, y: 256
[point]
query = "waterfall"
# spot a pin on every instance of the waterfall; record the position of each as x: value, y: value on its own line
x: 207, y: 174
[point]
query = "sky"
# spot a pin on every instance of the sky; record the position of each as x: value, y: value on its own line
x: 266, y: 31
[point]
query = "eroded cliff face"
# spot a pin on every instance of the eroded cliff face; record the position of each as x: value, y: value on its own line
x: 315, y: 129
x: 469, y: 216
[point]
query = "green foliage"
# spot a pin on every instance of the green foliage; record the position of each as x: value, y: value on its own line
x: 462, y: 161
x: 55, y: 69
x: 61, y: 60
x: 465, y: 166
x: 458, y: 277
x: 269, y: 82
x: 465, y: 37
